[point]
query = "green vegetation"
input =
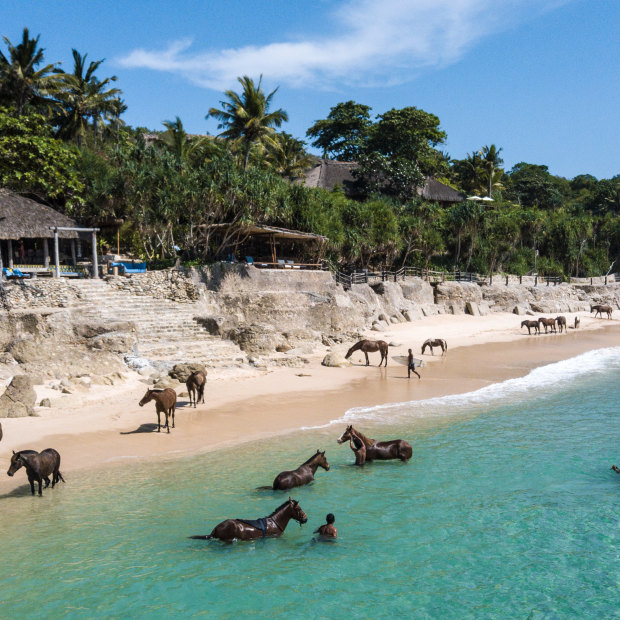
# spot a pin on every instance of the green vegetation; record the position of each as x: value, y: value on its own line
x: 62, y: 139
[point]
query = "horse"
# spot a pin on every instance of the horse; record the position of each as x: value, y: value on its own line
x: 370, y: 346
x: 196, y: 387
x: 304, y: 474
x: 600, y: 308
x: 38, y: 466
x: 380, y: 450
x: 529, y: 325
x: 547, y: 323
x: 561, y: 321
x: 0, y: 432
x: 438, y: 342
x: 577, y: 321
x: 272, y: 525
x: 165, y: 402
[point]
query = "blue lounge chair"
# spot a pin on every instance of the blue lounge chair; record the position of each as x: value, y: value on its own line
x: 249, y: 260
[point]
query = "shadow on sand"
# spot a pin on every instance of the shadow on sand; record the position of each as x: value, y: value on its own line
x: 21, y: 491
x: 143, y: 428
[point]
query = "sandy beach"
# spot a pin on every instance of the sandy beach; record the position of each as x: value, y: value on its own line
x: 106, y: 426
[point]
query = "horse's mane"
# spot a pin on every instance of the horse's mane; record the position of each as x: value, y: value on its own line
x: 310, y: 459
x: 279, y: 508
x: 366, y: 440
x: 355, y: 347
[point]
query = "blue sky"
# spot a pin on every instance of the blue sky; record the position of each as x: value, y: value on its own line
x: 539, y: 78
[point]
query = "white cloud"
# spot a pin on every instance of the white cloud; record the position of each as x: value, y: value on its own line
x: 372, y: 42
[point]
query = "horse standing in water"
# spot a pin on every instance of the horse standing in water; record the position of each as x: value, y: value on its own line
x: 547, y: 323
x: 438, y: 342
x: 251, y: 529
x: 529, y: 325
x: 304, y: 474
x: 165, y: 402
x: 195, y: 385
x: 600, y: 308
x: 379, y: 450
x: 39, y: 466
x: 370, y: 346
x: 561, y: 322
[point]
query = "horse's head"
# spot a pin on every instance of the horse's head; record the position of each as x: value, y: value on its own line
x: 298, y: 514
x: 346, y: 435
x: 146, y: 398
x: 321, y: 461
x: 17, y: 462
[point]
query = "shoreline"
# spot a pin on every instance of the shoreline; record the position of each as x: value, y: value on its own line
x: 110, y: 428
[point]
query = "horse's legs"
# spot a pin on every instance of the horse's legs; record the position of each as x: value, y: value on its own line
x: 47, y: 481
x: 172, y: 411
x: 40, y: 486
x: 158, y: 421
x: 367, y: 360
x: 31, y: 480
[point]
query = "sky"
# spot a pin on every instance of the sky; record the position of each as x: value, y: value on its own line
x: 538, y: 78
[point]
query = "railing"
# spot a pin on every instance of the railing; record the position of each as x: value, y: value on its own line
x: 607, y: 279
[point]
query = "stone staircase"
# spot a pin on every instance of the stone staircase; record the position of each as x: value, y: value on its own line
x: 166, y: 330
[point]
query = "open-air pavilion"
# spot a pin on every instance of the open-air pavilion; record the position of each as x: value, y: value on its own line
x: 26, y: 229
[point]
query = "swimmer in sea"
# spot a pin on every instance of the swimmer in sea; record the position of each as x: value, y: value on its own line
x: 411, y: 366
x: 328, y: 530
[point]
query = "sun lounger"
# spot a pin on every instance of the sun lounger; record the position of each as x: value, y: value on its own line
x: 127, y: 267
x: 14, y: 273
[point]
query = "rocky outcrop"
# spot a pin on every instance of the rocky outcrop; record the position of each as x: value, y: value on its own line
x: 336, y: 359
x: 19, y: 398
x: 181, y: 372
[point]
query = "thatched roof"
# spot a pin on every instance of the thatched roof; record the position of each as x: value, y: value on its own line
x: 23, y: 218
x: 252, y: 230
x: 435, y: 191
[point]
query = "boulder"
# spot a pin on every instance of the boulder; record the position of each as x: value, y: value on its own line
x: 45, y: 402
x: 413, y: 314
x: 520, y: 310
x: 114, y: 342
x: 19, y: 398
x: 335, y: 359
x: 181, y: 372
x: 216, y: 325
x: 472, y: 308
x: 256, y: 338
x: 418, y: 291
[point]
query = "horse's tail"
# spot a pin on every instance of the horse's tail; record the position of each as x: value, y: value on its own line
x: 60, y: 476
x: 445, y: 344
x: 202, y: 537
x: 265, y: 488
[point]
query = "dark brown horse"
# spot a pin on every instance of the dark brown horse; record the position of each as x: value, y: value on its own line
x: 370, y: 346
x: 251, y: 529
x: 380, y: 450
x: 561, y: 322
x: 0, y: 432
x: 195, y: 384
x: 438, y: 342
x: 547, y: 323
x: 600, y: 308
x: 530, y: 325
x: 304, y: 474
x: 39, y: 466
x: 165, y: 402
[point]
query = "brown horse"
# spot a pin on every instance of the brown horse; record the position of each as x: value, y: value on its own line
x: 438, y: 342
x: 547, y: 323
x: 600, y: 308
x: 39, y: 466
x: 370, y: 346
x: 165, y: 402
x: 561, y: 321
x: 304, y: 474
x: 380, y: 450
x: 529, y: 325
x: 251, y: 529
x: 195, y: 384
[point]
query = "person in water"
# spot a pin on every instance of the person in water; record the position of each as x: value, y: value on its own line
x: 411, y: 366
x: 358, y: 446
x: 328, y: 530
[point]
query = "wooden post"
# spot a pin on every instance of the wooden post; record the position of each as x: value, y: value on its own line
x: 521, y: 279
x: 73, y: 256
x: 535, y: 280
x: 272, y: 243
x: 9, y: 243
x: 95, y: 261
x: 591, y: 279
x: 56, y: 255
x: 605, y: 280
x: 46, y: 253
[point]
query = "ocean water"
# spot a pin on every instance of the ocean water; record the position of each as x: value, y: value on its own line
x: 508, y: 509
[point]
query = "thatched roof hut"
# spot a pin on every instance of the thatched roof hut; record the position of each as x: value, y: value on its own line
x: 23, y: 218
x: 435, y: 191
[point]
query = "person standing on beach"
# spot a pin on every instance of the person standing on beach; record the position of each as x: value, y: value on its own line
x: 358, y: 446
x: 411, y: 366
x: 328, y: 530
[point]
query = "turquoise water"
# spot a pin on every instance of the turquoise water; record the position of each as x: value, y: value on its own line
x: 507, y: 509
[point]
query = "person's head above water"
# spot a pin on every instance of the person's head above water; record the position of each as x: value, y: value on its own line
x: 330, y: 518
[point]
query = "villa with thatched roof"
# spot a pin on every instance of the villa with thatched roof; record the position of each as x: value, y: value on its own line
x: 328, y: 174
x: 26, y: 226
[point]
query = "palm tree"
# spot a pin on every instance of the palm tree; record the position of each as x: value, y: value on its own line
x: 21, y: 83
x: 86, y: 98
x: 287, y: 156
x: 491, y: 162
x: 246, y: 117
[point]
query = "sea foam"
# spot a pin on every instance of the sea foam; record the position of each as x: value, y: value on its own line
x: 551, y: 377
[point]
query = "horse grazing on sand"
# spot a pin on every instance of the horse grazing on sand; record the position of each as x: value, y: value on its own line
x: 195, y: 384
x: 250, y: 529
x: 370, y: 346
x: 380, y: 450
x: 561, y: 322
x: 438, y: 342
x: 304, y: 474
x: 165, y: 402
x: 39, y: 466
x: 530, y: 325
x: 547, y: 323
x: 600, y: 308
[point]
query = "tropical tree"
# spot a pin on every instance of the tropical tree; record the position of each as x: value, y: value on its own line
x: 22, y: 82
x: 85, y: 99
x: 490, y: 163
x: 287, y: 156
x: 246, y: 117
